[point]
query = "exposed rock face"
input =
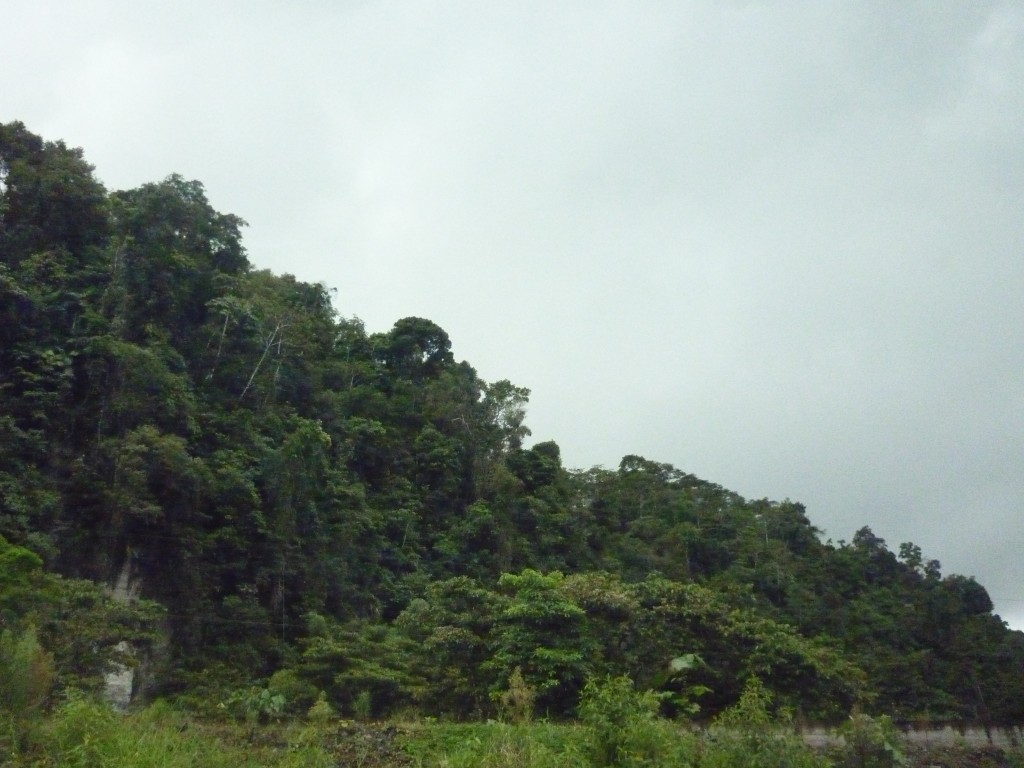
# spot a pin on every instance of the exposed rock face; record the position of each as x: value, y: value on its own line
x: 127, y: 588
x: 120, y: 681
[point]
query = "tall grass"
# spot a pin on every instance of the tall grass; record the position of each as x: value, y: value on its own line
x: 496, y: 745
x: 618, y: 728
x: 84, y: 733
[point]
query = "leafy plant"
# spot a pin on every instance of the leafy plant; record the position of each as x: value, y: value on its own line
x: 684, y: 695
x: 623, y: 727
x: 871, y: 742
x: 749, y: 735
x: 321, y: 712
x: 516, y: 704
x: 541, y: 631
x: 255, y: 705
x: 362, y: 705
x: 26, y: 679
x: 298, y: 694
x: 86, y: 733
x: 26, y: 673
x: 496, y: 745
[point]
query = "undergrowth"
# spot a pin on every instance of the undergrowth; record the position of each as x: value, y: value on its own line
x: 84, y: 733
x: 618, y: 727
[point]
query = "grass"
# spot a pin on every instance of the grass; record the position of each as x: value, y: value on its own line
x: 492, y: 744
x: 83, y: 733
x: 87, y: 734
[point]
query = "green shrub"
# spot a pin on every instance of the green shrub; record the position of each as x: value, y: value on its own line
x: 26, y: 673
x: 85, y: 733
x: 255, y: 705
x: 321, y: 712
x: 748, y: 735
x: 496, y: 745
x: 622, y: 727
x: 362, y: 705
x: 298, y: 694
x: 517, y: 703
x: 870, y: 742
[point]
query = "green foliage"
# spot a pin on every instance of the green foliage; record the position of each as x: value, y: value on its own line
x: 255, y: 705
x: 682, y: 695
x: 298, y: 694
x: 19, y: 571
x: 540, y: 632
x: 750, y: 735
x: 870, y: 742
x: 84, y: 733
x: 74, y: 619
x: 321, y: 712
x: 363, y: 667
x: 415, y: 348
x: 254, y: 459
x: 495, y: 745
x: 26, y: 680
x: 622, y: 728
x: 451, y: 628
x: 653, y: 743
x: 752, y: 713
x: 26, y: 673
x: 362, y: 705
x: 516, y: 704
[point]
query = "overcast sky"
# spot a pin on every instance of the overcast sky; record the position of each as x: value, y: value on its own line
x: 777, y: 244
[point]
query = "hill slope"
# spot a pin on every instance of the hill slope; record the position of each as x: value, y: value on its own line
x: 357, y: 513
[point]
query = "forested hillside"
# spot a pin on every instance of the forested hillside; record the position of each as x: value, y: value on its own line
x: 308, y: 507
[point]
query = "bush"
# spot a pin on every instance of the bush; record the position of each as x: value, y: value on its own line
x: 85, y: 733
x: 623, y: 727
x: 748, y: 735
x: 26, y: 679
x: 321, y: 712
x: 255, y: 705
x: 517, y: 703
x: 26, y: 673
x: 870, y: 742
x: 495, y: 745
x: 298, y: 694
x: 362, y: 705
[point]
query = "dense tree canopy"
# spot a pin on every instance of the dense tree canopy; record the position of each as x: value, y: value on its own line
x: 360, y: 514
